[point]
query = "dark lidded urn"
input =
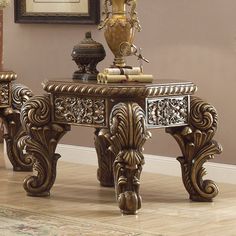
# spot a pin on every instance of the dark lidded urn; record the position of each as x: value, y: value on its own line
x: 87, y: 55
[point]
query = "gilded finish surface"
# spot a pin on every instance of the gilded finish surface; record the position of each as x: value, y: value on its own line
x: 166, y: 112
x: 119, y: 27
x: 119, y: 90
x: 4, y: 94
x: 20, y: 94
x: 119, y: 145
x: 20, y: 160
x: 126, y: 138
x: 197, y: 145
x: 5, y: 87
x: 77, y: 110
x: 41, y: 143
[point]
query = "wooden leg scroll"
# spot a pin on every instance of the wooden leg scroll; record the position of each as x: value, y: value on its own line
x: 14, y: 131
x: 41, y: 141
x: 197, y: 145
x: 126, y: 137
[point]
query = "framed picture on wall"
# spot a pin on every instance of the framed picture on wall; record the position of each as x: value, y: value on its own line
x: 57, y: 11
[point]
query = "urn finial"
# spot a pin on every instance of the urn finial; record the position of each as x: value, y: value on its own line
x: 87, y: 54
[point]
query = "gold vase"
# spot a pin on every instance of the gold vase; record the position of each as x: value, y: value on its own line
x: 120, y: 27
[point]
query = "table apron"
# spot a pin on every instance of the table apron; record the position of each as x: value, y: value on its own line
x: 80, y: 110
x: 5, y: 94
x: 170, y: 111
x: 92, y: 111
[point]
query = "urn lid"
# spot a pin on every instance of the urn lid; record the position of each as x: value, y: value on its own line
x: 88, y: 48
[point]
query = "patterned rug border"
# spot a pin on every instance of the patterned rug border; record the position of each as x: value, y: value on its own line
x: 131, y: 232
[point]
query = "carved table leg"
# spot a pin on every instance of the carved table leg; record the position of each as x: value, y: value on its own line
x: 14, y: 131
x: 105, y: 158
x: 127, y: 136
x: 41, y: 143
x: 11, y: 117
x: 197, y: 146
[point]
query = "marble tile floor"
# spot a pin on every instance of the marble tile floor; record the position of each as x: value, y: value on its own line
x: 166, y: 209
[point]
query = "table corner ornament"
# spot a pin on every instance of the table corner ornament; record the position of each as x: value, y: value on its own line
x: 120, y: 26
x: 87, y: 54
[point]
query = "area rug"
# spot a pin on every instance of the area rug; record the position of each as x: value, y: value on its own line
x: 25, y: 223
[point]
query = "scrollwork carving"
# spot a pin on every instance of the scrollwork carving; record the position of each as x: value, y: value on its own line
x: 20, y: 94
x: 21, y: 161
x: 127, y: 136
x: 41, y: 143
x: 36, y: 113
x: 72, y: 109
x: 4, y: 94
x: 197, y: 146
x: 165, y: 112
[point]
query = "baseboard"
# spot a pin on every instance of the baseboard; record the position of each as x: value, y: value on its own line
x: 221, y: 173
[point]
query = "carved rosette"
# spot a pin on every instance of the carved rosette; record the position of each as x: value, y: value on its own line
x: 166, y: 112
x: 41, y: 143
x: 20, y: 95
x: 76, y: 110
x: 197, y: 145
x: 4, y: 94
x: 14, y: 131
x: 127, y: 136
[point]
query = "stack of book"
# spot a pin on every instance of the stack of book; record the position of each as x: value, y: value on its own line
x: 119, y: 75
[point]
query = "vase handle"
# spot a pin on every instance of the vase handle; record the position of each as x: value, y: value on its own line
x: 133, y: 15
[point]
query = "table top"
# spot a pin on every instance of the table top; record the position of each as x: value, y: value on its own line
x: 127, y: 89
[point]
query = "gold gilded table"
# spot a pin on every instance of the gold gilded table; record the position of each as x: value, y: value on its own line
x: 12, y: 97
x: 121, y: 114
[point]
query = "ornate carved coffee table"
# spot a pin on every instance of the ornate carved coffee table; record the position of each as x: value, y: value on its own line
x: 122, y: 114
x: 12, y: 97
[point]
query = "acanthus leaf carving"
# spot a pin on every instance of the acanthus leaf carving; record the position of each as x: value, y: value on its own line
x: 127, y: 136
x: 197, y: 145
x: 20, y: 160
x: 41, y: 143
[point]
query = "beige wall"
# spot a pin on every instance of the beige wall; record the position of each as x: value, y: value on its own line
x: 184, y: 39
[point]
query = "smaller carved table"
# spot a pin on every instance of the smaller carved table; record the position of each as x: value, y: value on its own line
x: 121, y: 115
x: 12, y: 97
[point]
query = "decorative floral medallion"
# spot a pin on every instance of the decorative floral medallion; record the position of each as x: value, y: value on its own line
x: 166, y: 112
x: 76, y: 110
x: 4, y: 94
